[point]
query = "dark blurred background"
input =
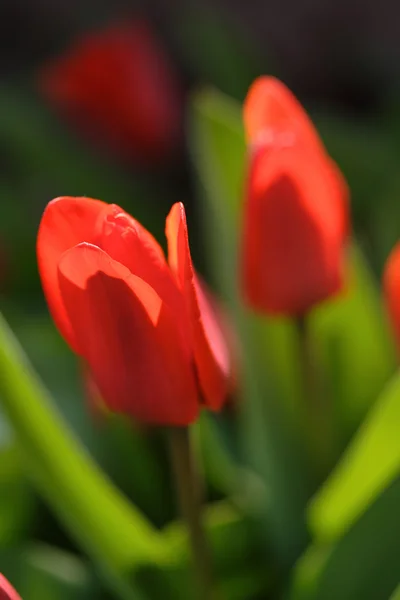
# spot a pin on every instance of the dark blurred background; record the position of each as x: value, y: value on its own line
x: 340, y: 57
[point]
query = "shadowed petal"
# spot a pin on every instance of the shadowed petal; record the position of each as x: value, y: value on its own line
x: 293, y: 232
x: 211, y: 351
x: 127, y: 334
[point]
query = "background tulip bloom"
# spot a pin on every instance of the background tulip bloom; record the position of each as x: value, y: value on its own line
x: 7, y: 592
x: 144, y: 327
x: 391, y: 284
x: 118, y: 86
x: 296, y: 217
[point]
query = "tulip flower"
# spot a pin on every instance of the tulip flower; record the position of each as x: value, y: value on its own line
x: 7, y: 592
x: 295, y: 217
x: 118, y: 86
x: 391, y: 284
x: 144, y: 326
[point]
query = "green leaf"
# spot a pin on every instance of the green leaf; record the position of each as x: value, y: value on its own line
x: 396, y: 594
x: 364, y: 563
x: 369, y: 465
x: 16, y: 498
x: 109, y: 441
x: 116, y: 536
x: 46, y: 572
x: 234, y: 549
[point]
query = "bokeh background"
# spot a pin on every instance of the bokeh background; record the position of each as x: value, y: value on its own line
x: 340, y: 57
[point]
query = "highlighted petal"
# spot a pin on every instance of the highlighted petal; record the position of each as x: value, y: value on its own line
x: 211, y: 351
x: 65, y: 223
x: 271, y: 107
x: 127, y: 335
x: 129, y: 243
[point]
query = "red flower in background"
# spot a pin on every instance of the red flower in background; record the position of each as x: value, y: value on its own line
x: 119, y: 87
x: 296, y: 209
x: 7, y: 592
x: 391, y: 284
x: 145, y: 327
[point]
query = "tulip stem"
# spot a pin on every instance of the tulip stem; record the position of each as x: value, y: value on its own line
x: 318, y: 409
x: 189, y: 492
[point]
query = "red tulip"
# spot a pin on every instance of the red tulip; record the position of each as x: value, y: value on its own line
x: 391, y: 284
x: 270, y: 107
x: 119, y: 87
x: 7, y: 592
x: 145, y: 328
x: 295, y: 220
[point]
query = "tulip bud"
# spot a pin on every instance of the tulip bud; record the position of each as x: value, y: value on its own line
x: 295, y: 215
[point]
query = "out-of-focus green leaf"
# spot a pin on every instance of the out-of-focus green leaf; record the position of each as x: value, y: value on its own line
x: 369, y: 465
x: 364, y: 563
x: 16, y: 498
x: 215, y: 49
x: 358, y: 351
x: 39, y: 571
x: 234, y: 549
x: 109, y: 441
x: 113, y: 532
x: 396, y: 594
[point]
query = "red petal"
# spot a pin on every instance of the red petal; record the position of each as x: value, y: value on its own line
x: 7, y: 592
x: 65, y: 223
x: 129, y: 243
x: 391, y: 284
x: 293, y: 232
x: 270, y: 105
x: 129, y: 339
x: 211, y: 352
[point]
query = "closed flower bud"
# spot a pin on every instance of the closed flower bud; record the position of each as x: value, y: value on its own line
x: 295, y: 216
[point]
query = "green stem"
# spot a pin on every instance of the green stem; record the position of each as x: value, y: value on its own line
x: 317, y: 403
x: 189, y: 492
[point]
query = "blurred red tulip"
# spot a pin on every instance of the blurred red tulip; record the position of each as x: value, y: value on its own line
x: 149, y: 335
x: 274, y: 117
x: 270, y: 107
x: 7, y: 592
x: 119, y: 87
x: 391, y: 284
x: 296, y: 210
